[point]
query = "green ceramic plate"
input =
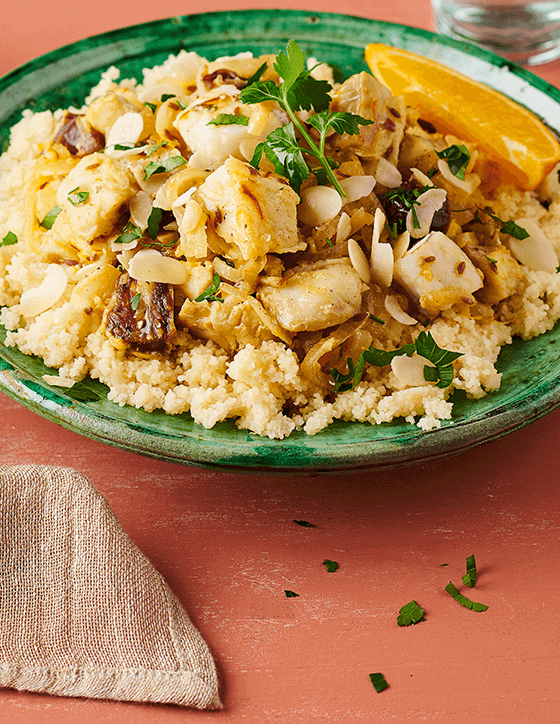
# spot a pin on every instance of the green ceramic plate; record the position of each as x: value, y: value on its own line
x: 531, y: 370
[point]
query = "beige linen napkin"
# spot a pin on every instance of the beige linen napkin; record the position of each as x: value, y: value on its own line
x: 82, y: 611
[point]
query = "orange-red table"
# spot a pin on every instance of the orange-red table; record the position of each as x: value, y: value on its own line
x: 228, y: 546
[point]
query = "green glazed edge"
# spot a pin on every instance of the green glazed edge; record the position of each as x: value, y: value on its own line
x: 530, y: 388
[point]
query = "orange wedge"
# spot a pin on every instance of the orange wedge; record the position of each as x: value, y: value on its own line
x: 511, y: 136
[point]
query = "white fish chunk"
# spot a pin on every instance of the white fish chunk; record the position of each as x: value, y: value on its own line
x: 108, y: 186
x: 316, y: 295
x: 437, y: 273
x: 255, y: 213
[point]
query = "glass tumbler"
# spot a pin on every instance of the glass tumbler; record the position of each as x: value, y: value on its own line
x: 525, y: 31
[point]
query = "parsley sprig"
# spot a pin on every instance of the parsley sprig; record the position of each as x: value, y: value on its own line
x: 299, y: 91
x: 424, y: 345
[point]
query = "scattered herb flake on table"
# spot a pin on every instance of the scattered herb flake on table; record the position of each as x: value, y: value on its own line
x: 463, y: 600
x: 410, y: 614
x: 331, y: 566
x: 469, y: 579
x: 379, y: 682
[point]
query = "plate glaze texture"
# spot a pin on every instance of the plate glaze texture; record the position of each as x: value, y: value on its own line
x: 531, y: 370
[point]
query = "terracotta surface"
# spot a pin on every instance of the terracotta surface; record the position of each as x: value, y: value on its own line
x: 228, y: 546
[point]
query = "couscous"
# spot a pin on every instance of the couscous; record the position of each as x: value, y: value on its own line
x: 230, y: 240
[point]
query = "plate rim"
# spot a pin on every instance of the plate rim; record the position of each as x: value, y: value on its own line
x: 78, y: 416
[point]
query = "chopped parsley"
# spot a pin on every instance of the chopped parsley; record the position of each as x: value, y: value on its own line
x: 407, y: 198
x: 164, y: 166
x: 424, y: 345
x: 507, y: 227
x: 50, y: 218
x: 155, y: 148
x: 379, y: 682
x: 127, y: 146
x: 154, y: 222
x: 151, y: 106
x: 299, y: 91
x: 256, y: 75
x: 291, y: 594
x: 166, y: 97
x: 469, y: 579
x: 77, y: 197
x: 331, y: 566
x: 463, y: 600
x: 135, y: 301
x: 129, y: 233
x: 304, y: 523
x: 457, y: 157
x: 229, y: 119
x: 410, y: 614
x: 209, y: 294
x: 9, y: 239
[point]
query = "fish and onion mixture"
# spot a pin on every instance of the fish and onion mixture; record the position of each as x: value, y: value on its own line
x: 247, y: 239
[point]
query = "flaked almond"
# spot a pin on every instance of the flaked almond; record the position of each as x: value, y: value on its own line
x: 387, y: 174
x: 319, y: 204
x: 247, y: 147
x: 409, y: 371
x: 536, y: 251
x: 192, y: 217
x: 344, y: 228
x: 381, y: 264
x: 378, y: 223
x: 470, y: 182
x: 356, y: 187
x: 359, y: 261
x: 59, y: 381
x: 148, y: 265
x: 418, y: 223
x: 118, y: 155
x: 183, y: 198
x: 140, y: 207
x: 400, y: 245
x: 38, y: 300
x: 124, y: 258
x: 126, y: 130
x: 86, y: 270
x: 421, y: 177
x: 397, y: 312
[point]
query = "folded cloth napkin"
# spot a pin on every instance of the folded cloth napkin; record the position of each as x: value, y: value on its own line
x: 82, y: 611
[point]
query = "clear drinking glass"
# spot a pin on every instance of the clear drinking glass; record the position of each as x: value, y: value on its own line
x: 523, y: 31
